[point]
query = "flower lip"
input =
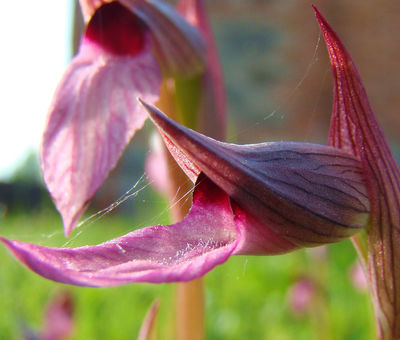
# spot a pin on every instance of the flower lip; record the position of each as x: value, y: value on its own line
x: 205, y: 238
x: 116, y: 29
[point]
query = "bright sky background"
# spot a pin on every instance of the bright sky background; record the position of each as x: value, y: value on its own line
x: 34, y: 38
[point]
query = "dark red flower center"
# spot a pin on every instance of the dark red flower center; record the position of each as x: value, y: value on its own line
x: 116, y: 29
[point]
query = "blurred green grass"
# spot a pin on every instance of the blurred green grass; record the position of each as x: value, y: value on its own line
x: 246, y: 298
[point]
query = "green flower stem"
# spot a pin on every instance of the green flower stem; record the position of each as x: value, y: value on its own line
x: 189, y: 296
x: 187, y: 101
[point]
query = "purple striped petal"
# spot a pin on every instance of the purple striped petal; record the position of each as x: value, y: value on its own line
x: 94, y: 112
x: 205, y: 238
x: 355, y: 128
x: 307, y: 193
x: 93, y: 116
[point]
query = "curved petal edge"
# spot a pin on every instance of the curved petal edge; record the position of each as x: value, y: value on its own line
x: 93, y: 116
x: 205, y: 238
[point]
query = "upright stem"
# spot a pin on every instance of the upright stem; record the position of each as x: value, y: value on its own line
x: 190, y: 310
x: 189, y: 296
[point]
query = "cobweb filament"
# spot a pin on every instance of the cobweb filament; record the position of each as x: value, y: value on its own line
x: 132, y: 192
x: 287, y: 99
x: 313, y: 60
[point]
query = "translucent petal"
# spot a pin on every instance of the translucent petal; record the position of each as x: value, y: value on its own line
x: 93, y: 116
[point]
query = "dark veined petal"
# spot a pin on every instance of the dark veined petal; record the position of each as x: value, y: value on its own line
x: 355, y: 128
x: 205, y: 238
x: 94, y: 112
x: 93, y: 116
x: 310, y: 194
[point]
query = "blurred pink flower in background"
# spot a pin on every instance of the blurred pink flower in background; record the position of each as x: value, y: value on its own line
x: 301, y: 295
x: 358, y: 277
x: 58, y: 318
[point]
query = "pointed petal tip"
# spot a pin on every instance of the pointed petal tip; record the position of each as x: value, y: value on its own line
x: 7, y: 243
x: 169, y: 131
x: 326, y: 29
x: 68, y: 228
x: 151, y: 109
x: 70, y: 218
x: 10, y: 245
x: 160, y: 119
x: 318, y: 13
x: 4, y: 240
x: 156, y: 116
x: 323, y: 24
x: 146, y: 105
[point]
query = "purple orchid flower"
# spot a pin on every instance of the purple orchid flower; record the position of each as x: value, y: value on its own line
x: 266, y: 199
x: 356, y: 130
x: 258, y: 199
x: 126, y: 48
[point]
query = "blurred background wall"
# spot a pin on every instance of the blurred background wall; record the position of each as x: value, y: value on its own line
x: 277, y: 75
x: 276, y: 65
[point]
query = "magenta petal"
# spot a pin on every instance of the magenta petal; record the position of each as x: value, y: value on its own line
x: 93, y: 116
x: 180, y: 252
x: 256, y: 238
